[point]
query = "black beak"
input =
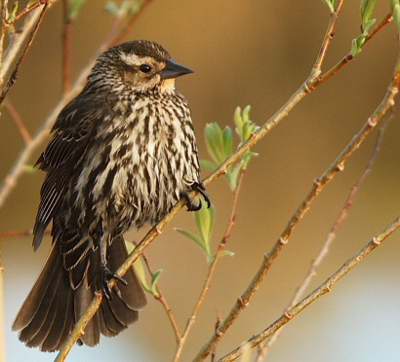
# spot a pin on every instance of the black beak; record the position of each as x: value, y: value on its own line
x: 174, y: 70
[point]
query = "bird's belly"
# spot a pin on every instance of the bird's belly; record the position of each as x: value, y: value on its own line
x: 145, y: 191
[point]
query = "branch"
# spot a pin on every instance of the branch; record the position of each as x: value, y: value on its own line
x: 307, y: 87
x: 161, y: 299
x: 17, y: 43
x: 17, y: 169
x: 323, y: 253
x: 13, y: 77
x: 323, y: 289
x: 319, y: 184
x: 211, y: 270
x: 19, y: 122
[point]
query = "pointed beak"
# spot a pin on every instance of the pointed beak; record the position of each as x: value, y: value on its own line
x: 174, y: 70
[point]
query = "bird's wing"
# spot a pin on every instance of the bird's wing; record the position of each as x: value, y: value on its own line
x: 71, y: 134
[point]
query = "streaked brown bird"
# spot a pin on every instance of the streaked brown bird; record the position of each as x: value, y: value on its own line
x: 122, y: 153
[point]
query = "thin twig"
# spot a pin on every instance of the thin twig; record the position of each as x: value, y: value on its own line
x: 216, y: 326
x: 17, y: 43
x: 28, y: 9
x: 10, y: 181
x: 19, y: 122
x: 211, y: 271
x: 309, y: 85
x: 329, y: 35
x: 323, y: 253
x: 18, y: 233
x: 66, y: 48
x: 161, y: 298
x: 323, y: 289
x: 318, y: 186
x: 349, y: 57
x: 13, y: 77
x: 4, y: 31
x: 117, y: 36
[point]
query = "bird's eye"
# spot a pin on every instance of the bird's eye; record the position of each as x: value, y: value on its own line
x: 145, y: 68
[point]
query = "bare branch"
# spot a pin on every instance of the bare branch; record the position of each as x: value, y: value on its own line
x: 323, y: 289
x: 323, y: 253
x: 161, y: 299
x: 19, y: 122
x: 329, y: 34
x: 13, y: 77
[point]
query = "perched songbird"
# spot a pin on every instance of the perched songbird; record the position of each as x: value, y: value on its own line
x: 122, y: 153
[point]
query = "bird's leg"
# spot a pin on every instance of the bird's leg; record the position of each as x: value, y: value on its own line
x: 106, y: 273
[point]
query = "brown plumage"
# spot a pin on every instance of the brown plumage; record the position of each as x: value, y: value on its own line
x: 122, y: 154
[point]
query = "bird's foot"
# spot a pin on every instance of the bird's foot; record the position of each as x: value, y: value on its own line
x: 106, y: 276
x: 191, y: 205
x: 199, y: 187
x: 190, y: 202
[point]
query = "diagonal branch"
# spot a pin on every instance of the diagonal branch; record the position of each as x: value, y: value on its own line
x: 323, y: 289
x: 323, y: 253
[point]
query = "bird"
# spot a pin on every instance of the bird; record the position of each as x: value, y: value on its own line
x: 122, y: 153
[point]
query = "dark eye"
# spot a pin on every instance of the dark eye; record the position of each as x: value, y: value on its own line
x: 145, y: 68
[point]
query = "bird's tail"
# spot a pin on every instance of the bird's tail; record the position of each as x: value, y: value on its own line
x: 53, y: 307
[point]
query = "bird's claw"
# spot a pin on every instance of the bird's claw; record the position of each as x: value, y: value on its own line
x: 190, y: 204
x: 199, y: 187
x: 107, y: 275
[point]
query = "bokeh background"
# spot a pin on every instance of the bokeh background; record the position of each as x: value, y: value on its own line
x: 244, y: 52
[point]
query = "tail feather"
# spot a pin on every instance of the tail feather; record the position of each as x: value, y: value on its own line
x: 36, y: 295
x: 56, y: 331
x: 42, y: 314
x: 53, y: 306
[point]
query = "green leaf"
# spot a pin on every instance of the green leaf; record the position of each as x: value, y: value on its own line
x: 228, y: 253
x: 113, y: 9
x: 237, y: 119
x: 233, y: 176
x: 357, y: 45
x: 367, y: 10
x: 197, y: 239
x: 396, y: 13
x: 141, y: 273
x: 205, y: 224
x: 13, y: 13
x: 228, y: 142
x: 214, y: 141
x: 208, y: 165
x: 75, y: 7
x: 154, y: 282
x: 331, y: 5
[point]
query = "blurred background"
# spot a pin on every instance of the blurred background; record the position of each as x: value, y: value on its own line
x: 243, y: 52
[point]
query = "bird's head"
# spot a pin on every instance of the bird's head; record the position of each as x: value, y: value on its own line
x: 139, y: 65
